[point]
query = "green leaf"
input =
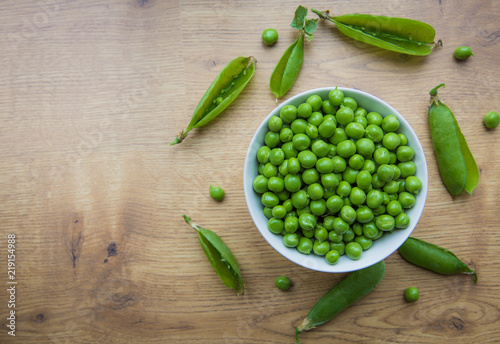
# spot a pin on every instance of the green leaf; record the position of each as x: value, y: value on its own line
x: 298, y: 19
x: 401, y: 35
x: 310, y: 26
x: 287, y: 69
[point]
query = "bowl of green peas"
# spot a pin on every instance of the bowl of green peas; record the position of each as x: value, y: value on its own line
x: 335, y: 179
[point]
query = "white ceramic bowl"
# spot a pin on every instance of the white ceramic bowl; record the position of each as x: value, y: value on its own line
x: 380, y: 248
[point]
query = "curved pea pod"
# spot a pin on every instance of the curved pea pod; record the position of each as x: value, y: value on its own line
x: 434, y: 258
x: 224, y: 90
x: 287, y: 70
x: 457, y: 166
x: 351, y: 289
x: 220, y: 257
x: 401, y: 35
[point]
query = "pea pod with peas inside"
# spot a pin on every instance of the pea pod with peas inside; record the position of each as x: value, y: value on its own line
x: 434, y: 258
x: 351, y: 289
x: 224, y: 90
x: 456, y: 164
x: 401, y: 35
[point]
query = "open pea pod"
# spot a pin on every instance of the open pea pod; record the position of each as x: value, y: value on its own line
x: 224, y: 90
x: 220, y: 257
x: 401, y: 35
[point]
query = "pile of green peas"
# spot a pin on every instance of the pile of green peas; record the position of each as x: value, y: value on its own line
x: 334, y: 177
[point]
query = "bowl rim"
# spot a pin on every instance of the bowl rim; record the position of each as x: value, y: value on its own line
x: 313, y: 261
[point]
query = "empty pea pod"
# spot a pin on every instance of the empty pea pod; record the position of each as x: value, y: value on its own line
x: 223, y: 91
x: 401, y: 35
x: 457, y: 166
x: 352, y: 288
x: 434, y: 258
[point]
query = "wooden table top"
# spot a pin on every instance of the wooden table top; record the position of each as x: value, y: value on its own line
x: 91, y: 94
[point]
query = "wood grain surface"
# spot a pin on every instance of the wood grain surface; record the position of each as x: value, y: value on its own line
x: 92, y: 92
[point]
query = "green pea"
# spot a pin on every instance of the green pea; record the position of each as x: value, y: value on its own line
x: 217, y: 193
x: 291, y: 224
x: 307, y: 221
x: 327, y: 129
x: 275, y: 123
x: 336, y: 96
x: 315, y: 191
x: 304, y: 110
x: 283, y: 283
x: 406, y: 199
x: 286, y: 134
x: 301, y: 141
x: 491, y: 120
x: 275, y: 184
x: 354, y: 250
x: 318, y: 207
x: 357, y: 196
x: 385, y: 222
x: 411, y: 294
x: 365, y: 242
x: 269, y: 36
x: 402, y: 221
x: 348, y: 214
x: 310, y: 176
x: 405, y: 153
x: 365, y: 147
x: 300, y: 199
x: 263, y: 154
x: 305, y: 245
x: 291, y: 240
x: 346, y: 149
x: 338, y: 136
x: 315, y: 102
x: 394, y: 208
x: 276, y: 156
x: 324, y: 165
x: 328, y: 108
x: 354, y: 130
x: 434, y: 258
x: 292, y: 183
x: 390, y: 123
x: 350, y: 174
x: 374, y: 118
x: 259, y: 184
x: 344, y: 189
x: 289, y: 150
x: 299, y: 126
x: 307, y: 159
x: 339, y: 164
x: 288, y: 113
x: 463, y: 53
x: 413, y: 184
x: 344, y: 115
x: 332, y: 257
x: 391, y: 141
x: 364, y: 215
x: 364, y: 180
x: 275, y: 225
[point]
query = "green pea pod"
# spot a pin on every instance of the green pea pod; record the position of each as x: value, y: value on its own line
x: 223, y: 91
x: 351, y: 289
x: 286, y: 71
x: 401, y: 35
x: 220, y: 257
x: 434, y: 258
x: 457, y: 166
